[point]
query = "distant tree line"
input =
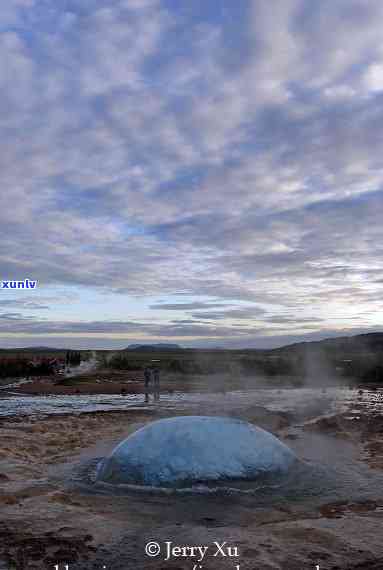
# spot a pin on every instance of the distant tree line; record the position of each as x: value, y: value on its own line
x: 13, y: 368
x: 201, y: 365
x: 19, y: 367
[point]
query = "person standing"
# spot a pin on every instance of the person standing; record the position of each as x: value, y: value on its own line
x: 156, y: 379
x: 147, y: 379
x: 147, y: 376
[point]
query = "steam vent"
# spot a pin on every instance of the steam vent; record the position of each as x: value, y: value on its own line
x: 194, y: 449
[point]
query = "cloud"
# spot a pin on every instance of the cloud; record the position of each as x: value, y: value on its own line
x: 245, y: 313
x: 17, y: 323
x: 227, y: 152
x: 185, y: 306
x: 28, y: 303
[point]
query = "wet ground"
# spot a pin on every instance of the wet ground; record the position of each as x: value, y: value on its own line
x: 300, y: 401
x: 327, y: 512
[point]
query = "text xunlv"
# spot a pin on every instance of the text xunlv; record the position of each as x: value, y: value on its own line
x: 24, y: 284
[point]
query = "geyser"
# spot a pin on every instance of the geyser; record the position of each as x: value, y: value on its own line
x: 194, y: 449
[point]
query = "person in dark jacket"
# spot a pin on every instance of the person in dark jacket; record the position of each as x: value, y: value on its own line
x: 147, y: 376
x: 156, y: 377
x: 156, y: 381
x: 147, y: 379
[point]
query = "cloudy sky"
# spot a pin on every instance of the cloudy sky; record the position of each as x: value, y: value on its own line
x: 207, y: 173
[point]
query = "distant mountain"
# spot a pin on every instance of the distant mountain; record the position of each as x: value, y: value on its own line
x: 157, y: 346
x: 368, y: 342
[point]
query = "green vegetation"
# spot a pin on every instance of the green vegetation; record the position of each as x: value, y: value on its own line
x: 19, y: 363
x: 13, y: 368
x: 359, y: 358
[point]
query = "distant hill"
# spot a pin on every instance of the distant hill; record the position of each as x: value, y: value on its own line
x: 157, y: 346
x: 358, y: 357
x: 369, y: 342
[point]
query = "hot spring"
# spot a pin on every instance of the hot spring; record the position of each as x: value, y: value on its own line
x: 188, y: 450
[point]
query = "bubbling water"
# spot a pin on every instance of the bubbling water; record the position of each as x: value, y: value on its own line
x: 187, y: 450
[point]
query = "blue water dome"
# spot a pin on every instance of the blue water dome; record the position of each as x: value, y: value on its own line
x: 194, y: 449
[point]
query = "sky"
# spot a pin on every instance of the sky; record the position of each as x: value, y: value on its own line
x: 201, y: 173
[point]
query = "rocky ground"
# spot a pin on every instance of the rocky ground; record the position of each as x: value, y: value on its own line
x: 47, y: 518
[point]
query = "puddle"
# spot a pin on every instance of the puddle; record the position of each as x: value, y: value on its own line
x: 329, y: 467
x: 327, y: 470
x: 306, y: 400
